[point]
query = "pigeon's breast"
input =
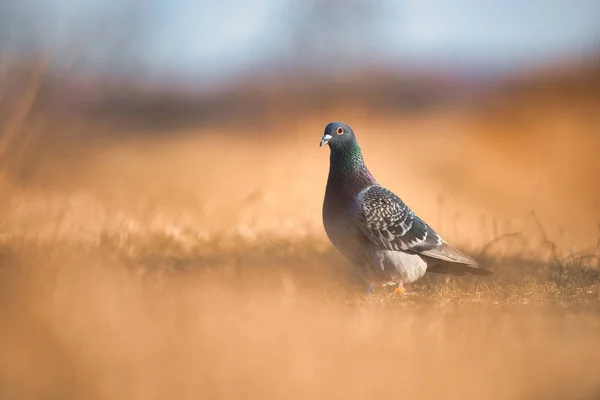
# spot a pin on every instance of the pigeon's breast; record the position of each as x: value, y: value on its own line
x: 339, y: 221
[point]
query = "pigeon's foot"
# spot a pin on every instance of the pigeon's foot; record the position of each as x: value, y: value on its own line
x: 400, y: 288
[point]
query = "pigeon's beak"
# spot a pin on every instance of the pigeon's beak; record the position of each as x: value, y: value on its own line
x: 325, y: 139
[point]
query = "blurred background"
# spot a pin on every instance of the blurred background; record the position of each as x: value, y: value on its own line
x: 473, y: 112
x: 161, y: 187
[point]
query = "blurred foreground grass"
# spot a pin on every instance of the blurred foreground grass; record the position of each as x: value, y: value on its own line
x: 148, y: 318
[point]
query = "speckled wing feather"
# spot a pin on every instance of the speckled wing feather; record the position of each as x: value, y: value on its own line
x: 388, y: 222
x: 391, y: 224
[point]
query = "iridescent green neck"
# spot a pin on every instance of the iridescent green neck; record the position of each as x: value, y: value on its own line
x: 346, y: 162
x: 347, y: 157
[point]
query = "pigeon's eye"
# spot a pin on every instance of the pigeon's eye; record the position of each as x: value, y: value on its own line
x: 340, y: 130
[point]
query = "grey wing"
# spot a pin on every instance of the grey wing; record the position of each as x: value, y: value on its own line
x: 388, y: 222
x: 391, y: 224
x: 445, y: 252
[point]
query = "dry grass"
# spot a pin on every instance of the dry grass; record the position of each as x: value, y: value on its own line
x: 196, y: 267
x: 281, y: 319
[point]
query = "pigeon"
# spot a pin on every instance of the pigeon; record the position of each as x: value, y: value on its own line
x: 374, y: 229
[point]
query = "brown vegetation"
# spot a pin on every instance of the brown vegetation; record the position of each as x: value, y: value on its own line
x: 193, y: 263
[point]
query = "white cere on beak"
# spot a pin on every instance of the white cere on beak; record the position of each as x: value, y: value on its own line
x: 325, y: 139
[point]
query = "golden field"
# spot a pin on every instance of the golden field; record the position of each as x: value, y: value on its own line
x: 194, y: 265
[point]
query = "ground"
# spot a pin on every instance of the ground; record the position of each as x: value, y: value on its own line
x: 147, y: 318
x: 197, y: 266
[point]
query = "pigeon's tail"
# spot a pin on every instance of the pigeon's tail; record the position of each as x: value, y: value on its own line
x: 448, y: 253
x: 457, y: 262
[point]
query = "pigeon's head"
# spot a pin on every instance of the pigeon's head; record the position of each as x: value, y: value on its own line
x: 336, y: 134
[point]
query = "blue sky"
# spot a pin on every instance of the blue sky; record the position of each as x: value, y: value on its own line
x: 216, y: 39
x: 524, y: 31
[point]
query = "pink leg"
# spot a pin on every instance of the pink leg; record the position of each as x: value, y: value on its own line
x: 400, y: 288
